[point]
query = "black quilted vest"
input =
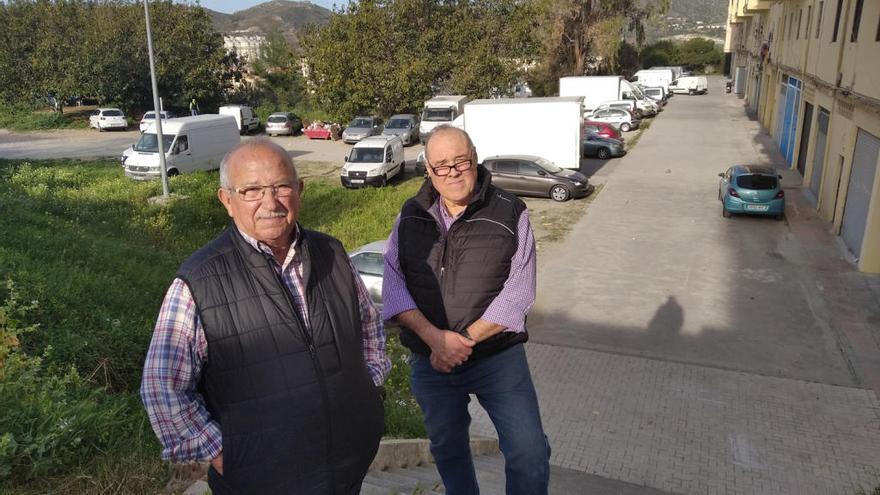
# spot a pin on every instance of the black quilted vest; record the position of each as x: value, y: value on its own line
x: 297, y: 408
x: 454, y: 277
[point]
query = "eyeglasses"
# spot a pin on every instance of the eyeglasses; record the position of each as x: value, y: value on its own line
x: 256, y: 193
x: 461, y: 166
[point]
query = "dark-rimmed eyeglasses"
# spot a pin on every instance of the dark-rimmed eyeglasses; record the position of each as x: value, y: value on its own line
x: 256, y: 193
x: 461, y: 166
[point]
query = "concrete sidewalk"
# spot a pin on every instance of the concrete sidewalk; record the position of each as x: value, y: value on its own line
x: 682, y: 351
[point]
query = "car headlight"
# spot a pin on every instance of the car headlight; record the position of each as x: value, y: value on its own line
x: 374, y: 172
x: 577, y: 183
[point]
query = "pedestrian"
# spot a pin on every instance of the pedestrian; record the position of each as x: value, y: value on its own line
x: 193, y: 107
x: 459, y: 280
x: 268, y: 355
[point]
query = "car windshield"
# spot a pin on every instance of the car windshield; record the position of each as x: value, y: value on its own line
x: 112, y: 113
x: 437, y: 114
x: 361, y: 123
x: 548, y: 165
x: 365, y: 155
x: 277, y: 119
x: 397, y: 124
x: 761, y: 182
x: 369, y: 263
x: 150, y: 144
x: 149, y: 116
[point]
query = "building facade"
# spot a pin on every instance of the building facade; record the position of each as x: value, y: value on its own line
x: 809, y: 70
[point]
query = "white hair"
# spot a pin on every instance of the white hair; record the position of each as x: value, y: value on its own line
x: 253, y: 144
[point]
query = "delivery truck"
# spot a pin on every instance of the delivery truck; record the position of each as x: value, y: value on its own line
x: 654, y: 78
x: 441, y: 110
x: 596, y: 89
x: 552, y: 128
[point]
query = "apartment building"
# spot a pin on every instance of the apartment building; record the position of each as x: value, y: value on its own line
x: 809, y: 70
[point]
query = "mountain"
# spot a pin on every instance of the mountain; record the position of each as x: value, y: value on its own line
x: 688, y: 18
x: 285, y: 15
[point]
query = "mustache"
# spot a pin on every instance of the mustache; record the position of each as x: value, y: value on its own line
x: 271, y: 214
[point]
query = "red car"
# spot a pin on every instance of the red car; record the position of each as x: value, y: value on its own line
x: 603, y: 129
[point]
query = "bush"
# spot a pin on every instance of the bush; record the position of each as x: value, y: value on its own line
x: 50, y: 419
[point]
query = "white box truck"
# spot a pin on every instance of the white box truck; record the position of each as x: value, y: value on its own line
x: 441, y: 110
x: 596, y: 89
x: 190, y: 144
x: 654, y: 78
x: 552, y: 128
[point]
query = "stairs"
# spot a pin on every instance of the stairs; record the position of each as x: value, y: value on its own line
x: 424, y: 479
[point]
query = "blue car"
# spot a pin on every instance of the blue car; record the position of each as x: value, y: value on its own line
x: 751, y: 190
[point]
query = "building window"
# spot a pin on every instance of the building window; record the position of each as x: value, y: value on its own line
x: 809, y: 21
x: 857, y: 19
x: 819, y: 19
x: 800, y: 16
x: 837, y: 21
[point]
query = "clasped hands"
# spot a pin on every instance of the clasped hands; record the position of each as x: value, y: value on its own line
x: 449, y: 349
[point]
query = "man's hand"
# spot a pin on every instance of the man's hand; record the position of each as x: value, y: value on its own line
x: 449, y: 349
x: 217, y: 463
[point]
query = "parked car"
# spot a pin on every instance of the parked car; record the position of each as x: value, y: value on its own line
x: 373, y: 162
x: 629, y: 105
x: 658, y: 94
x: 753, y: 190
x: 406, y: 126
x: 361, y: 127
x: 150, y: 116
x: 528, y: 175
x: 245, y: 117
x: 108, y: 118
x: 369, y: 261
x: 601, y: 148
x: 283, y: 123
x: 603, y: 129
x: 620, y: 118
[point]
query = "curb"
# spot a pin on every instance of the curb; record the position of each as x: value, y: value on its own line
x: 392, y: 454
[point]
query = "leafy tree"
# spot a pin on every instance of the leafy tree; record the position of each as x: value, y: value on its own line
x: 699, y: 53
x: 661, y: 53
x: 279, y: 71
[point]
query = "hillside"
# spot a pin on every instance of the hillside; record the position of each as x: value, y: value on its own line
x: 688, y: 18
x: 285, y: 15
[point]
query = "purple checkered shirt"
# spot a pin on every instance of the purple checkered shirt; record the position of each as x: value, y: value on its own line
x: 179, y: 350
x: 510, y: 306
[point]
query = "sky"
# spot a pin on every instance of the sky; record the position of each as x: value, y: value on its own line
x: 230, y: 6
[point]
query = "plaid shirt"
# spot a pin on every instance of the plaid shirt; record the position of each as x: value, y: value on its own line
x: 179, y: 350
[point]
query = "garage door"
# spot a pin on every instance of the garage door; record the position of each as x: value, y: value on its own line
x: 858, y: 195
x: 819, y: 156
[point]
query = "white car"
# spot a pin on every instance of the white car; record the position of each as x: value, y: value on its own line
x: 150, y: 116
x: 621, y: 119
x: 108, y: 118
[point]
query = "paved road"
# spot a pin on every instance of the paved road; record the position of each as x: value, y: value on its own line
x: 89, y: 143
x: 681, y: 351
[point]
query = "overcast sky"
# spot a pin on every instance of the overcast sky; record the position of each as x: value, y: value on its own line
x: 230, y: 6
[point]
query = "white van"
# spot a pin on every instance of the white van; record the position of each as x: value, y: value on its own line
x: 190, y: 143
x: 441, y: 110
x: 373, y: 161
x: 692, y: 85
x: 244, y: 115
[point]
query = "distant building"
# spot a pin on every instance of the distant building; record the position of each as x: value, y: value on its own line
x: 248, y: 44
x: 809, y: 71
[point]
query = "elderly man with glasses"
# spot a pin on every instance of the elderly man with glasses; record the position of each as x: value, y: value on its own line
x: 267, y: 354
x: 459, y: 280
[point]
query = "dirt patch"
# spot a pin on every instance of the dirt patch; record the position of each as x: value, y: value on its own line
x: 552, y: 220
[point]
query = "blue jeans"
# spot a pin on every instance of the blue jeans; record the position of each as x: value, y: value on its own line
x: 503, y: 385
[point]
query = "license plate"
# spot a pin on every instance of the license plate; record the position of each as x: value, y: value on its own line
x: 756, y: 207
x: 357, y: 181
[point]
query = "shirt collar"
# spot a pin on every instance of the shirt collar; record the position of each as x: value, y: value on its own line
x: 265, y: 249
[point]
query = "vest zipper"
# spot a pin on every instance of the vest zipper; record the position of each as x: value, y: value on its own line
x: 318, y: 370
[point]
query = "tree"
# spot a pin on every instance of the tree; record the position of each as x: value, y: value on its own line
x: 279, y: 70
x: 662, y: 53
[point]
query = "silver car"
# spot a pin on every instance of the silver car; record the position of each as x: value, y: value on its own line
x: 618, y: 117
x: 405, y: 125
x: 369, y: 260
x: 361, y: 127
x: 283, y: 123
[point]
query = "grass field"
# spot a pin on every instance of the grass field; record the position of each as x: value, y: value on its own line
x: 85, y: 244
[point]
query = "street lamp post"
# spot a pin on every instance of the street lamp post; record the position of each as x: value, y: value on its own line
x: 156, y: 105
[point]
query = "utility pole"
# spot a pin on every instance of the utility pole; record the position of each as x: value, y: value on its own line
x: 157, y: 106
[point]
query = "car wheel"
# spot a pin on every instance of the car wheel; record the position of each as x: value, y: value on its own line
x: 603, y: 154
x: 559, y: 193
x: 724, y: 212
x: 384, y: 181
x: 625, y: 127
x: 172, y: 172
